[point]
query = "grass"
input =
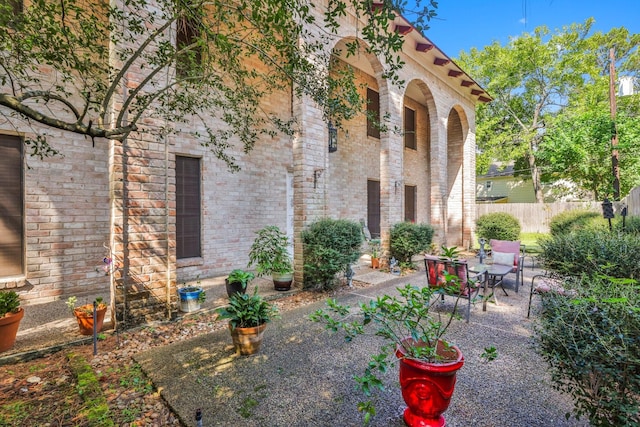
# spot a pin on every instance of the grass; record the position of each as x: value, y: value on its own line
x: 528, y: 239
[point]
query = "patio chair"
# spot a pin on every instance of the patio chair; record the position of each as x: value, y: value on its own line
x: 436, y: 267
x: 547, y: 283
x: 507, y: 252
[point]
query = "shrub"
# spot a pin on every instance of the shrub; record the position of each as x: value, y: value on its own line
x: 408, y: 239
x: 591, y: 343
x: 330, y: 246
x: 574, y: 220
x: 499, y: 226
x: 592, y: 252
x: 631, y: 225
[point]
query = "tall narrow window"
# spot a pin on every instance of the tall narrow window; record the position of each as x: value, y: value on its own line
x: 189, y: 57
x: 187, y: 207
x: 11, y: 207
x: 373, y: 113
x: 410, y: 198
x: 410, y: 128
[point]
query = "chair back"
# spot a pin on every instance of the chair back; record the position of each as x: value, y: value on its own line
x: 501, y: 247
x: 436, y: 268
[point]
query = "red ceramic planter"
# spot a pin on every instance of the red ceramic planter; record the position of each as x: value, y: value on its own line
x: 427, y: 388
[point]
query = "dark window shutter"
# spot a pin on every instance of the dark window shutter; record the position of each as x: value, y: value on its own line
x: 410, y: 128
x: 11, y: 207
x: 373, y: 208
x: 410, y: 195
x: 373, y: 113
x: 188, y: 207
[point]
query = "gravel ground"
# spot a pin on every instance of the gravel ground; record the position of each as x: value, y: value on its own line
x: 303, y: 375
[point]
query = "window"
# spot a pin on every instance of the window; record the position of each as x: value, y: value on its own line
x: 187, y: 33
x: 187, y: 207
x: 410, y: 196
x: 488, y: 185
x: 373, y: 113
x: 11, y: 207
x: 410, y: 128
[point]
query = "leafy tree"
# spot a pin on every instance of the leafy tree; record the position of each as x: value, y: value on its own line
x: 532, y: 79
x: 68, y: 65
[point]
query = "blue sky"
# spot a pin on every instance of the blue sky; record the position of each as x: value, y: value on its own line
x: 463, y: 24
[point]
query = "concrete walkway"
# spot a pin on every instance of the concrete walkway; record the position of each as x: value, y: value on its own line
x: 302, y: 376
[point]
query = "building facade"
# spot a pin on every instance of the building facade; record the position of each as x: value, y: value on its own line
x: 166, y: 211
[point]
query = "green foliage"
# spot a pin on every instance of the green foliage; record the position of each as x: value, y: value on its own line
x: 9, y: 302
x: 330, y: 246
x: 405, y: 321
x: 208, y: 76
x: 591, y: 344
x: 88, y: 387
x: 408, y: 239
x: 247, y: 311
x: 240, y: 276
x: 499, y: 226
x: 592, y: 252
x: 631, y: 225
x: 573, y: 220
x: 269, y: 252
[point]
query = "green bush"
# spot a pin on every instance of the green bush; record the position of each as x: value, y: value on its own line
x: 578, y: 219
x: 330, y: 246
x: 408, y: 239
x: 592, y: 252
x: 592, y: 345
x: 499, y: 226
x: 631, y: 225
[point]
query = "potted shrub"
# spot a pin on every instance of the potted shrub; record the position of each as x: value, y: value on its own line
x: 84, y: 314
x: 248, y: 316
x: 237, y: 281
x: 191, y: 298
x: 270, y: 254
x: 414, y: 340
x: 10, y: 316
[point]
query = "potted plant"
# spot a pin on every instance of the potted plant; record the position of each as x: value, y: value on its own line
x: 191, y: 297
x: 374, y: 250
x: 10, y: 316
x: 414, y: 340
x: 270, y: 254
x: 248, y: 316
x: 237, y: 281
x: 84, y: 314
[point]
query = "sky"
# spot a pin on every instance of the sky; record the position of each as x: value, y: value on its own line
x: 463, y: 24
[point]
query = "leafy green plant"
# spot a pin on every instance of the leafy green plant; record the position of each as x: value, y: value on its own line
x: 591, y: 344
x: 240, y: 276
x: 499, y: 226
x: 330, y: 246
x: 575, y: 220
x: 269, y: 252
x: 246, y: 311
x: 9, y: 302
x: 374, y: 248
x: 408, y: 239
x: 631, y: 225
x: 405, y: 321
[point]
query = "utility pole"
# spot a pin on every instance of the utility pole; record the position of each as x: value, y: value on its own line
x: 614, y: 137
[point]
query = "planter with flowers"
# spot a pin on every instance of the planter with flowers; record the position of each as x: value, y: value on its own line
x: 84, y: 314
x: 10, y: 316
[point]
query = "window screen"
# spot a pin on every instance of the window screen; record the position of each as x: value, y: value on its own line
x: 187, y: 207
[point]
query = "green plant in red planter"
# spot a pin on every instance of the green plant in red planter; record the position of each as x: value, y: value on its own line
x: 414, y: 340
x: 10, y: 316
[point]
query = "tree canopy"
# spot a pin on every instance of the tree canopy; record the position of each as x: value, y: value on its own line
x: 69, y: 65
x: 537, y: 80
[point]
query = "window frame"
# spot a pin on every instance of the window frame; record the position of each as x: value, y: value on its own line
x: 10, y: 165
x: 190, y: 206
x: 373, y: 113
x: 410, y: 139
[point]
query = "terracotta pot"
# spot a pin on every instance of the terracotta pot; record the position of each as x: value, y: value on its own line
x: 85, y: 319
x: 282, y: 281
x: 9, y: 325
x: 427, y: 387
x: 247, y: 340
x: 234, y: 288
x: 375, y: 262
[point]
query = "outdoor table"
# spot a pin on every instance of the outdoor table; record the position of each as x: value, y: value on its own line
x: 493, y: 276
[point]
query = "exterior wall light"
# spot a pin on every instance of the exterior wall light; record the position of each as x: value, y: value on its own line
x: 333, y: 138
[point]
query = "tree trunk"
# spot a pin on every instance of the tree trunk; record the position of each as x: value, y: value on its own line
x: 535, y: 178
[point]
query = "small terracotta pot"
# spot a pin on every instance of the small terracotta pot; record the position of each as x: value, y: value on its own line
x: 9, y: 325
x: 247, y: 340
x: 375, y: 262
x: 85, y: 320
